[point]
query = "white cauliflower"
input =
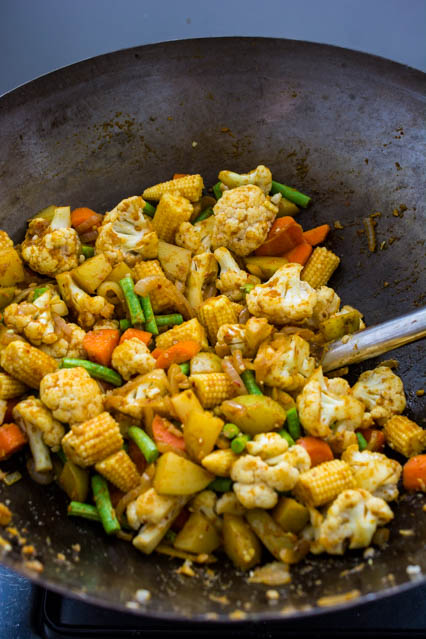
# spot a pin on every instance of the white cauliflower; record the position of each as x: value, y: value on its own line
x: 149, y: 507
x: 243, y: 217
x: 327, y: 304
x: 69, y: 342
x: 374, y: 472
x: 284, y: 298
x: 33, y: 319
x: 140, y: 392
x: 197, y: 238
x: 232, y: 277
x: 324, y: 403
x: 51, y: 248
x: 257, y: 481
x: 244, y: 337
x: 382, y: 393
x: 201, y: 278
x: 32, y: 411
x: 351, y: 521
x: 132, y: 357
x: 284, y: 362
x: 5, y: 241
x: 267, y: 445
x: 261, y: 176
x: 87, y: 309
x: 126, y: 234
x: 72, y: 395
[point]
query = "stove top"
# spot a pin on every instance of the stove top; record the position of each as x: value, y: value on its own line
x: 29, y: 612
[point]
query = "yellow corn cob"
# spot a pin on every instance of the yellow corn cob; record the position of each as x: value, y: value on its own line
x: 404, y: 436
x: 160, y: 301
x: 191, y: 329
x: 320, y: 267
x: 171, y: 211
x: 92, y: 441
x: 220, y: 462
x: 215, y: 312
x: 5, y: 515
x: 28, y: 364
x: 190, y: 186
x: 212, y: 388
x: 5, y: 241
x: 119, y: 469
x: 321, y: 484
x: 10, y: 387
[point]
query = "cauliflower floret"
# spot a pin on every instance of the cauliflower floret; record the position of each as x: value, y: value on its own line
x: 34, y: 320
x: 149, y: 507
x: 144, y: 390
x: 87, y: 309
x: 51, y: 248
x: 374, y: 472
x: 232, y: 277
x: 257, y: 481
x: 32, y: 412
x: 72, y: 395
x: 284, y: 297
x: 197, y: 238
x: 69, y: 343
x: 382, y: 393
x: 267, y: 445
x: 132, y: 357
x: 325, y: 402
x: 261, y: 176
x: 126, y: 234
x: 244, y: 337
x: 352, y: 519
x: 201, y: 277
x: 328, y: 303
x: 284, y: 362
x: 243, y: 217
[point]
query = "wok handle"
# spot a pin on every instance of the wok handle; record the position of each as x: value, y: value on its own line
x: 376, y: 340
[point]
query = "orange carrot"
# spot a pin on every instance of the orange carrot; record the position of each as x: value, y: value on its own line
x: 82, y: 215
x: 100, y: 344
x: 319, y: 451
x: 157, y: 352
x: 178, y: 353
x: 130, y: 333
x: 165, y: 438
x: 12, y: 439
x: 414, y: 473
x: 316, y: 235
x: 176, y: 176
x: 283, y: 236
x: 137, y: 457
x: 300, y: 254
x: 375, y: 439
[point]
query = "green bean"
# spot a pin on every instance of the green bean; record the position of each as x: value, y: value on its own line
x: 95, y: 370
x: 184, y: 367
x: 221, y: 484
x: 132, y: 300
x: 230, y: 431
x: 217, y: 190
x: 147, y: 447
x: 203, y: 215
x: 246, y: 288
x: 88, y: 251
x: 150, y: 323
x: 238, y: 444
x: 248, y: 378
x: 149, y: 209
x: 362, y: 442
x: 169, y: 320
x: 293, y: 423
x: 285, y: 435
x: 104, y: 505
x: 38, y: 292
x: 124, y: 325
x: 290, y: 194
x: 87, y: 511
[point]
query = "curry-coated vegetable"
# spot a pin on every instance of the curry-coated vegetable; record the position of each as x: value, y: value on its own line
x: 198, y: 535
x: 254, y: 414
x: 240, y: 543
x: 74, y: 481
x: 200, y: 433
x: 176, y: 475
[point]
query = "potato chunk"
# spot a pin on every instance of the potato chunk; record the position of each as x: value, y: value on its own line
x: 176, y: 475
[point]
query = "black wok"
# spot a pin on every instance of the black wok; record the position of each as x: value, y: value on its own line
x: 345, y: 127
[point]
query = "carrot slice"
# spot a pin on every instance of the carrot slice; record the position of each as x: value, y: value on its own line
x: 157, y: 352
x: 300, y: 254
x: 319, y: 451
x: 283, y: 236
x: 12, y: 439
x: 130, y: 333
x: 316, y: 235
x: 414, y: 473
x: 374, y: 438
x: 83, y: 214
x: 164, y: 437
x: 176, y: 176
x: 100, y: 345
x: 178, y: 353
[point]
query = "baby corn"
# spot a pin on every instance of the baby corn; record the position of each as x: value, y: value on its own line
x: 92, y: 441
x: 323, y: 483
x: 190, y: 330
x: 119, y: 469
x: 320, y: 267
x: 405, y: 436
x: 10, y: 387
x: 27, y: 364
x: 215, y: 312
x: 160, y: 301
x: 212, y: 388
x: 171, y: 211
x: 190, y: 186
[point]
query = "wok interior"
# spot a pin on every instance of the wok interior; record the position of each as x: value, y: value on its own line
x: 345, y: 128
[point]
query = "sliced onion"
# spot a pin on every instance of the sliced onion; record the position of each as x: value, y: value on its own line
x: 62, y: 326
x: 239, y: 385
x: 244, y: 316
x: 237, y: 358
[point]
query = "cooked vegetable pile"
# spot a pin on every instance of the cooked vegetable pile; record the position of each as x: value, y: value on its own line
x: 162, y: 363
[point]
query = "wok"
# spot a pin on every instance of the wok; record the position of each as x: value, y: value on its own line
x: 345, y: 127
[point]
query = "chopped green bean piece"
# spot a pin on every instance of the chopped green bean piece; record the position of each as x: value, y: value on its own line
x: 184, y: 367
x: 246, y: 288
x: 149, y: 209
x: 150, y: 323
x: 220, y: 484
x: 203, y: 215
x: 293, y: 423
x: 217, y: 190
x: 248, y: 378
x: 230, y: 431
x: 88, y: 251
x: 290, y: 194
x: 362, y: 442
x: 95, y: 370
x: 147, y: 447
x: 132, y: 300
x: 38, y: 292
x: 87, y: 511
x: 286, y: 436
x: 238, y: 444
x: 169, y: 320
x: 104, y: 505
x: 124, y: 325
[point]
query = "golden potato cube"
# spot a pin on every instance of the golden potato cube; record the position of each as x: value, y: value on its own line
x: 119, y: 271
x: 220, y: 462
x: 175, y: 261
x: 11, y: 268
x: 241, y: 544
x: 198, y: 535
x: 92, y: 272
x: 290, y: 515
x: 186, y: 403
x: 176, y: 475
x: 200, y: 433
